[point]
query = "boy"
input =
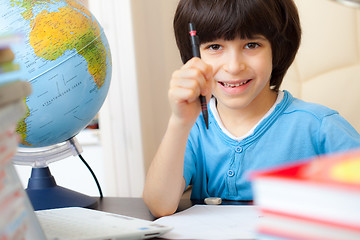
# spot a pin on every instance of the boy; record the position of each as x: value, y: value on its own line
x: 246, y: 48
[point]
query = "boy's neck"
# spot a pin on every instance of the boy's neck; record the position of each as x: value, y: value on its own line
x: 240, y: 121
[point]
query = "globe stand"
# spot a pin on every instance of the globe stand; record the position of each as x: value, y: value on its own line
x: 44, y: 193
x: 42, y: 189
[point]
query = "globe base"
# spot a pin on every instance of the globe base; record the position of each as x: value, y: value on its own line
x: 44, y: 193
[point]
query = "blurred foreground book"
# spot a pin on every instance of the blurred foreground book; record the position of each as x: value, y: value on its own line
x: 14, y: 220
x: 314, y: 199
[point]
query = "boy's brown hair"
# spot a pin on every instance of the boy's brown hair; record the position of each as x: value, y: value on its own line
x: 277, y: 20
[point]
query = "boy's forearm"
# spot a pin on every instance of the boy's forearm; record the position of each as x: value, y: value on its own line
x: 164, y: 182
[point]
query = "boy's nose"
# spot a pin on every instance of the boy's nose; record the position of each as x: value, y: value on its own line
x: 235, y: 65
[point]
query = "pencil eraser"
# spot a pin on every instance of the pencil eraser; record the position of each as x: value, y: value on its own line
x: 212, y: 201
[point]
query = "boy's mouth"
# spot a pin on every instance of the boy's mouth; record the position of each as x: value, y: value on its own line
x: 233, y: 85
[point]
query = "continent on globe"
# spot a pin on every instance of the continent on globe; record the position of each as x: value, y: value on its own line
x: 66, y: 58
x: 54, y: 33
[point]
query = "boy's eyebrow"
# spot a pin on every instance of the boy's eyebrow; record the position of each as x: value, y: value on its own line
x: 252, y: 38
x: 257, y: 37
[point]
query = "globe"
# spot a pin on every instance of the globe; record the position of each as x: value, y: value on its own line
x: 66, y: 57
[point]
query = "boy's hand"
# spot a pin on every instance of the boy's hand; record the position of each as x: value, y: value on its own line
x: 186, y: 85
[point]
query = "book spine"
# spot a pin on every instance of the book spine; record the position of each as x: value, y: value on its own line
x: 8, y: 146
x: 11, y: 114
x: 334, y: 204
x: 313, y: 219
x: 291, y: 226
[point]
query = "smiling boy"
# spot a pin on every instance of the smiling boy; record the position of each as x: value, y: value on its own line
x: 246, y: 48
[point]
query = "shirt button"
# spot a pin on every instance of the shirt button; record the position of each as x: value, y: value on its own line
x: 238, y: 149
x: 230, y: 173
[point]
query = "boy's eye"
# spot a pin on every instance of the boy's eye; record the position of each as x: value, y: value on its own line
x: 252, y: 45
x: 214, y: 47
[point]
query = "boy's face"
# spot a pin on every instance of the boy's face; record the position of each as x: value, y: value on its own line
x: 242, y: 70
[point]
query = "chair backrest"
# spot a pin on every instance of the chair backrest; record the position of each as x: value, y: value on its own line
x: 327, y: 67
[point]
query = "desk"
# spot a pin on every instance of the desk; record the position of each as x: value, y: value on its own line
x: 135, y: 207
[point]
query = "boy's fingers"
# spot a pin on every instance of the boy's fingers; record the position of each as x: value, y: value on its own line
x: 196, y: 62
x: 198, y: 69
x: 182, y: 95
x: 188, y: 78
x: 185, y: 88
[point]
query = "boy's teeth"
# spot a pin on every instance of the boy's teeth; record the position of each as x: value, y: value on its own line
x: 235, y: 85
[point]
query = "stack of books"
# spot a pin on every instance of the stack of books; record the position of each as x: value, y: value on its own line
x: 13, y: 91
x: 314, y: 199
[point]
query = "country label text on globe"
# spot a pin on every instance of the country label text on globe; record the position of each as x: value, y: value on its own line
x: 66, y: 58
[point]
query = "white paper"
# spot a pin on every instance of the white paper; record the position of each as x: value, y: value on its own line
x: 213, y: 222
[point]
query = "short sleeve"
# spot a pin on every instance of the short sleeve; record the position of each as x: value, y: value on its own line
x: 337, y: 134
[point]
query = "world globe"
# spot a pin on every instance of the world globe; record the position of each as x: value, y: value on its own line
x: 66, y: 57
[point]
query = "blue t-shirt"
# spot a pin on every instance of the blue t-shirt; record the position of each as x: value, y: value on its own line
x: 219, y: 166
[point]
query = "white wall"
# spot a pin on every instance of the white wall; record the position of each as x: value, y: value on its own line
x: 135, y: 115
x: 156, y: 58
x: 145, y: 54
x: 119, y: 117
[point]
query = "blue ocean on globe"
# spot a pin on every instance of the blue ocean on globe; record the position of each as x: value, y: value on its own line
x: 66, y: 57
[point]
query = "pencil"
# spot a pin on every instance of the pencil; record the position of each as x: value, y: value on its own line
x: 196, y: 53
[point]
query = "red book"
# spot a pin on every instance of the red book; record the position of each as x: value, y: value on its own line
x: 295, y: 227
x: 324, y: 189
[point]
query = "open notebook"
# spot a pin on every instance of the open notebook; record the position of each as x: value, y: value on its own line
x: 86, y: 224
x: 20, y: 221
